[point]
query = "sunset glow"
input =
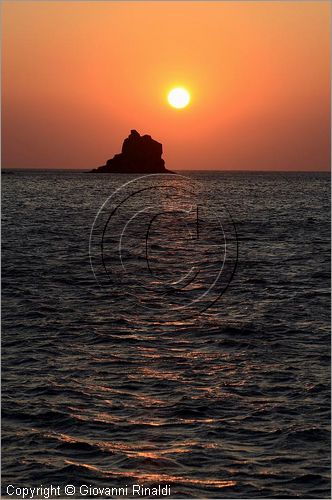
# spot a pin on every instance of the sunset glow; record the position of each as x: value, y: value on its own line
x: 78, y: 76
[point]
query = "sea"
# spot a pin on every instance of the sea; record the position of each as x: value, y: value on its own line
x: 193, y: 354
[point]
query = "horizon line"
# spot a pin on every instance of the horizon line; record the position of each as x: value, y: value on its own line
x: 4, y: 169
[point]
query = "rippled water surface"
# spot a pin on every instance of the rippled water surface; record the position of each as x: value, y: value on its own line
x: 228, y: 406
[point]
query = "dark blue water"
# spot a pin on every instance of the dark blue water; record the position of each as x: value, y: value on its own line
x: 233, y: 405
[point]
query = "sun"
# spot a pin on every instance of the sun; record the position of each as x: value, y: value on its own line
x: 179, y: 97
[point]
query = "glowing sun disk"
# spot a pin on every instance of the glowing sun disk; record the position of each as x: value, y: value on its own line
x: 178, y: 97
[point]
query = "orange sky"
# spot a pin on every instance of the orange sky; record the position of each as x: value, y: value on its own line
x: 77, y: 76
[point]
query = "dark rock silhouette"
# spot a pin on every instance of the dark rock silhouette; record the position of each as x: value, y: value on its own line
x: 140, y: 154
